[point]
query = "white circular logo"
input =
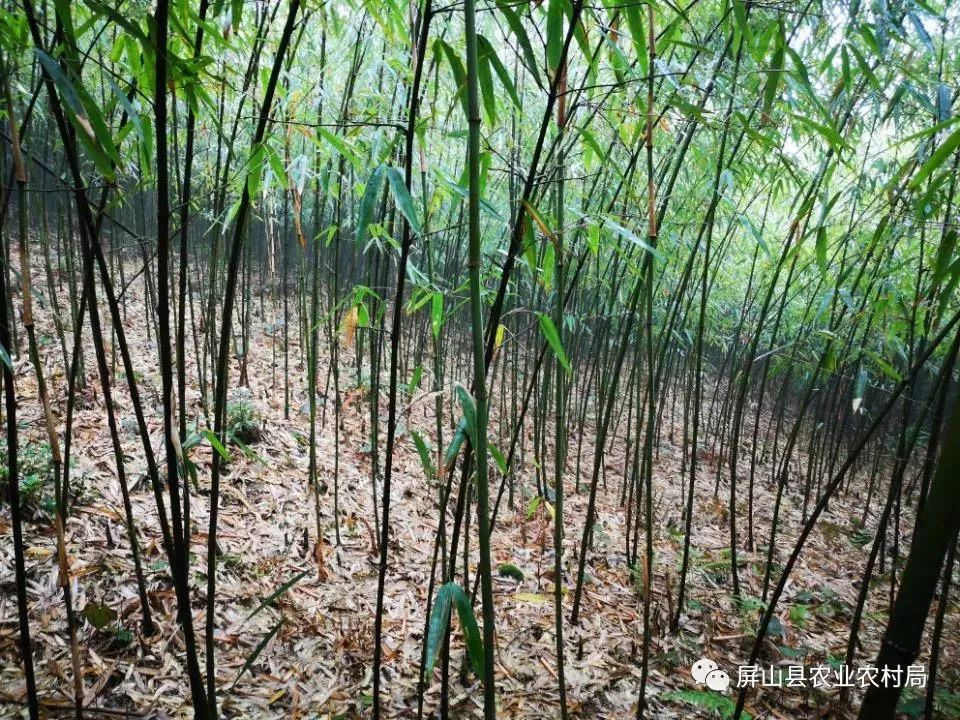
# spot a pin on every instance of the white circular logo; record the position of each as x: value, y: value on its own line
x: 718, y: 680
x: 701, y: 668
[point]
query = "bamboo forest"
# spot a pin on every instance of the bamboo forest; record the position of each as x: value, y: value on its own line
x: 480, y: 359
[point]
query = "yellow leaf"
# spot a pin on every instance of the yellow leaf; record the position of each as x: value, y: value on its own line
x: 349, y: 326
x: 539, y: 221
x: 531, y: 597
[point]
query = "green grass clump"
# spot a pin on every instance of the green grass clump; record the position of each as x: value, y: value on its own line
x: 244, y: 423
x: 35, y: 468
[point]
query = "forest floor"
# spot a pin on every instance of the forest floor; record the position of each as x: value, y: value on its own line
x: 318, y: 663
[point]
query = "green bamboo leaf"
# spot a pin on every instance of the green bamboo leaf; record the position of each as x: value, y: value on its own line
x: 516, y: 27
x: 886, y: 367
x: 439, y: 617
x: 469, y: 411
x: 339, y: 144
x: 591, y: 142
x: 82, y: 111
x: 216, y: 444
x: 277, y: 593
x: 99, y: 615
x: 743, y: 27
x: 486, y: 51
x: 826, y: 132
x: 632, y: 237
x: 485, y: 79
x: 637, y: 34
x: 865, y: 67
x: 456, y: 67
x: 554, y: 34
x: 452, y: 594
x: 415, y: 379
x: 257, y: 650
x: 775, y: 73
x: 403, y: 199
x: 921, y: 32
x: 363, y: 315
x: 436, y: 313
x: 458, y: 437
x: 424, y: 453
x: 276, y: 166
x: 945, y: 257
x: 255, y: 172
x: 943, y: 102
x: 498, y: 457
x: 553, y: 338
x: 136, y: 121
x: 367, y: 203
x: 822, y: 249
x: 468, y: 622
x: 936, y: 159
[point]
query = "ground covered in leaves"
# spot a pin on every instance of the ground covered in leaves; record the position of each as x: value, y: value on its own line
x: 317, y: 664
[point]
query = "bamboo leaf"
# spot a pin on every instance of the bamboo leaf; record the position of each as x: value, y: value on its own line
x: 487, y: 51
x: 339, y: 144
x: 544, y: 228
x: 439, y: 617
x: 277, y: 593
x: 403, y: 199
x: 84, y: 113
x: 740, y: 16
x: 456, y: 67
x: 825, y: 131
x: 458, y: 437
x: 469, y: 411
x: 553, y: 338
x: 516, y: 27
x: 637, y: 34
x: 468, y: 622
x: 452, y: 594
x: 936, y: 159
x: 775, y: 73
x: 215, y: 443
x: 498, y: 457
x: 255, y: 173
x: 485, y: 78
x: 945, y: 257
x: 257, y: 650
x: 554, y: 34
x: 436, y: 313
x: 822, y: 249
x: 370, y: 194
x: 99, y: 615
x: 424, y: 453
x: 632, y: 237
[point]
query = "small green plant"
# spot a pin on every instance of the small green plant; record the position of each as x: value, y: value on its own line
x: 244, y: 423
x: 711, y: 703
x: 799, y: 615
x: 511, y: 571
x: 35, y: 468
x: 861, y: 538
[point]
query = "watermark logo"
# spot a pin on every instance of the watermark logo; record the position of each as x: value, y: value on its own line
x: 706, y: 672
